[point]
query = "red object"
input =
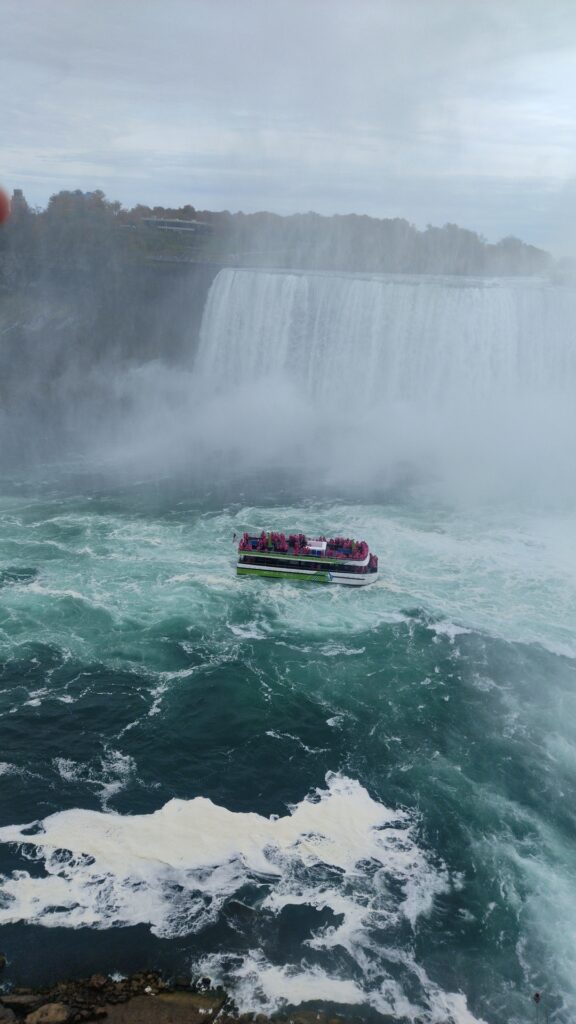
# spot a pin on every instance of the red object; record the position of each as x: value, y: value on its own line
x: 4, y: 206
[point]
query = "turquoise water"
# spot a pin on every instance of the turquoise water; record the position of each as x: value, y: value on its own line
x: 310, y: 794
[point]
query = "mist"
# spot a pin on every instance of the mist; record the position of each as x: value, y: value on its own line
x: 344, y: 384
x: 254, y: 438
x: 345, y: 353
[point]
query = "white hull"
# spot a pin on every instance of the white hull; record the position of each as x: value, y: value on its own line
x: 353, y: 581
x: 313, y: 575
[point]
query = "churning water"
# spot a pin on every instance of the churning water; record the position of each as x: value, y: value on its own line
x: 311, y: 794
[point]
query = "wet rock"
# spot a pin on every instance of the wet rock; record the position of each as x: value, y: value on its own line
x: 88, y: 1013
x: 93, y: 998
x: 25, y: 1001
x: 50, y: 1013
x: 97, y: 981
x: 182, y: 982
x: 118, y: 996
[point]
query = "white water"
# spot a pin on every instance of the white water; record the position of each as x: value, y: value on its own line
x: 358, y: 379
x: 422, y: 368
x: 357, y: 383
x: 390, y: 339
x: 175, y: 869
x: 208, y: 849
x: 510, y: 576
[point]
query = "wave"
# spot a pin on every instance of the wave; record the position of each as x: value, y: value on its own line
x: 352, y: 862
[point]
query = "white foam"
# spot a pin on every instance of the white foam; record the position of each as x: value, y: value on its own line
x: 249, y: 631
x: 258, y: 984
x: 44, y: 591
x: 338, y: 827
x: 67, y: 769
x: 6, y: 768
x: 449, y: 629
x: 175, y: 868
x: 115, y: 772
x: 295, y: 739
x: 337, y: 650
x: 35, y: 697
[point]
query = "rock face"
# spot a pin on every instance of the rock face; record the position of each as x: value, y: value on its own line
x: 50, y: 1013
x: 97, y: 981
x: 142, y: 998
x: 22, y: 1002
x: 73, y: 1002
x: 68, y: 331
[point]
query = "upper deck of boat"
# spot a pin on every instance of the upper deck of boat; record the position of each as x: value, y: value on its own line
x: 335, y: 551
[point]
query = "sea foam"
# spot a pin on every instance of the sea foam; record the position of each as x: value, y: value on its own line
x: 175, y: 869
x: 338, y: 826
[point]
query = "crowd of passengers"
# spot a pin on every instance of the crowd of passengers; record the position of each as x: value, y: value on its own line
x: 296, y: 544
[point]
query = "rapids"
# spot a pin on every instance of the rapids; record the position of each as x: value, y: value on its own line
x: 312, y: 795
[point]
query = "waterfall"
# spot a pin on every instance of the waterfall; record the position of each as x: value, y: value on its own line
x: 383, y: 339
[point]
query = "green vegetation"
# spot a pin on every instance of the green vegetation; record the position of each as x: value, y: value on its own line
x: 84, y: 232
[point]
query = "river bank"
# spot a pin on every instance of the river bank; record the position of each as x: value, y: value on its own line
x: 142, y: 998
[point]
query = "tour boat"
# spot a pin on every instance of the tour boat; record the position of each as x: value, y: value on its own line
x: 296, y: 557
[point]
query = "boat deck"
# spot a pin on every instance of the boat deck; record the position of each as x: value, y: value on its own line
x: 340, y: 560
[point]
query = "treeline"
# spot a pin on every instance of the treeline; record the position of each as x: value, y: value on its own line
x: 359, y: 243
x: 86, y: 232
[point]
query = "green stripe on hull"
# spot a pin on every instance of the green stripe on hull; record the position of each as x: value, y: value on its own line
x: 277, y: 574
x: 331, y: 563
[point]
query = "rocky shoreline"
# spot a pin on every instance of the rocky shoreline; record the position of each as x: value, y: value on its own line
x: 142, y: 998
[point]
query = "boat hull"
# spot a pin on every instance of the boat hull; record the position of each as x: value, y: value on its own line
x: 306, y: 575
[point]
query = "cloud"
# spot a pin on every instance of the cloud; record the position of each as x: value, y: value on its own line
x: 306, y: 104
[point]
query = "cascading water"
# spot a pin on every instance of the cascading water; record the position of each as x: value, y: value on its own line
x: 314, y: 797
x: 390, y: 339
x: 466, y: 381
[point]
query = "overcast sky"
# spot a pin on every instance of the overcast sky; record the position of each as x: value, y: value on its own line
x: 433, y: 110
